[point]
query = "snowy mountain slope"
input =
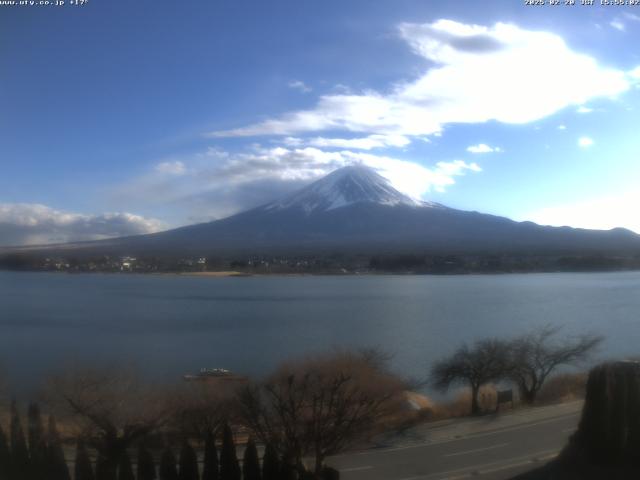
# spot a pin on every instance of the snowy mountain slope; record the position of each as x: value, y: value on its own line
x: 354, y: 209
x: 343, y: 187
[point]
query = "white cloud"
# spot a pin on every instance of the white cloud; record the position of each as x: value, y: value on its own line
x: 32, y: 224
x: 362, y: 143
x: 602, y: 213
x: 171, y: 168
x: 475, y: 74
x: 585, y: 142
x: 483, y: 148
x: 218, y: 183
x: 300, y: 86
x: 635, y: 73
x: 413, y: 179
x: 562, y: 127
x: 618, y: 25
x: 583, y: 109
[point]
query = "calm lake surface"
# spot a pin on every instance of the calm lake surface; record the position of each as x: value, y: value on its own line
x: 171, y: 325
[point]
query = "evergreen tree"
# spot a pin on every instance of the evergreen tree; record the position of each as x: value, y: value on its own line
x: 270, y: 464
x: 5, y: 455
x: 168, y: 470
x: 229, y: 466
x: 146, y: 465
x: 83, y: 469
x: 250, y: 462
x: 125, y: 471
x: 19, y: 452
x: 211, y: 468
x: 188, y: 463
x: 104, y: 469
x: 57, y: 468
x: 287, y: 470
x: 37, y: 442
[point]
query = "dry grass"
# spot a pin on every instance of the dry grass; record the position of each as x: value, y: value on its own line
x: 423, y: 409
x: 563, y: 388
x: 460, y: 406
x: 560, y: 388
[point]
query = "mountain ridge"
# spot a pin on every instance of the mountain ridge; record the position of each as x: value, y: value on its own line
x: 354, y: 209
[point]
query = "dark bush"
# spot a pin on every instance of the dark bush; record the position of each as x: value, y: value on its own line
x: 188, y: 463
x: 104, y: 469
x: 83, y: 469
x: 57, y: 465
x: 125, y: 471
x: 210, y: 470
x: 5, y: 455
x: 270, y: 464
x: 37, y: 442
x: 229, y: 466
x: 19, y: 451
x: 146, y: 465
x: 250, y: 462
x: 168, y: 469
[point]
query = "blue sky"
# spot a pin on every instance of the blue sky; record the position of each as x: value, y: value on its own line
x: 122, y: 117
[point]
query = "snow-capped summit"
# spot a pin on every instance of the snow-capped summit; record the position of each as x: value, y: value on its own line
x: 342, y: 187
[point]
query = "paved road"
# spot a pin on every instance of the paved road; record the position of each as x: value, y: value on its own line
x: 495, y: 447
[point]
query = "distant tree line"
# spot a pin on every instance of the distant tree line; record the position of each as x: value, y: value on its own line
x: 500, y: 263
x: 323, y: 263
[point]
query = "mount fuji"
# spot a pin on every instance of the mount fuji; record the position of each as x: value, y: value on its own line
x: 343, y: 187
x: 356, y: 210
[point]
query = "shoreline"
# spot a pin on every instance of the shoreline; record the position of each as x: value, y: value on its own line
x: 376, y: 274
x: 224, y: 273
x: 239, y: 274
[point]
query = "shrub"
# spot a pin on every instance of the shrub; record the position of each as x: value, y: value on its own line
x: 188, y: 463
x: 251, y: 463
x: 211, y: 468
x: 83, y: 469
x: 229, y: 466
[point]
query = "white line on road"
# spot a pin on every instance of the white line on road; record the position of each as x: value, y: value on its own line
x: 356, y: 469
x: 456, y: 454
x: 535, y: 460
x: 490, y: 467
x: 378, y: 451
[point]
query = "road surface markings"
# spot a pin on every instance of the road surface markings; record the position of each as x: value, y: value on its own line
x: 466, y: 452
x: 378, y: 451
x: 491, y: 467
x: 356, y: 469
x: 510, y: 466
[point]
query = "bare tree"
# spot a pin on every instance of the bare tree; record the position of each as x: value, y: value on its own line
x: 110, y: 407
x: 320, y: 406
x: 485, y: 362
x: 199, y: 409
x: 535, y: 355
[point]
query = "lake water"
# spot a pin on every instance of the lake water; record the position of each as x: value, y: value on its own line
x: 171, y: 325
